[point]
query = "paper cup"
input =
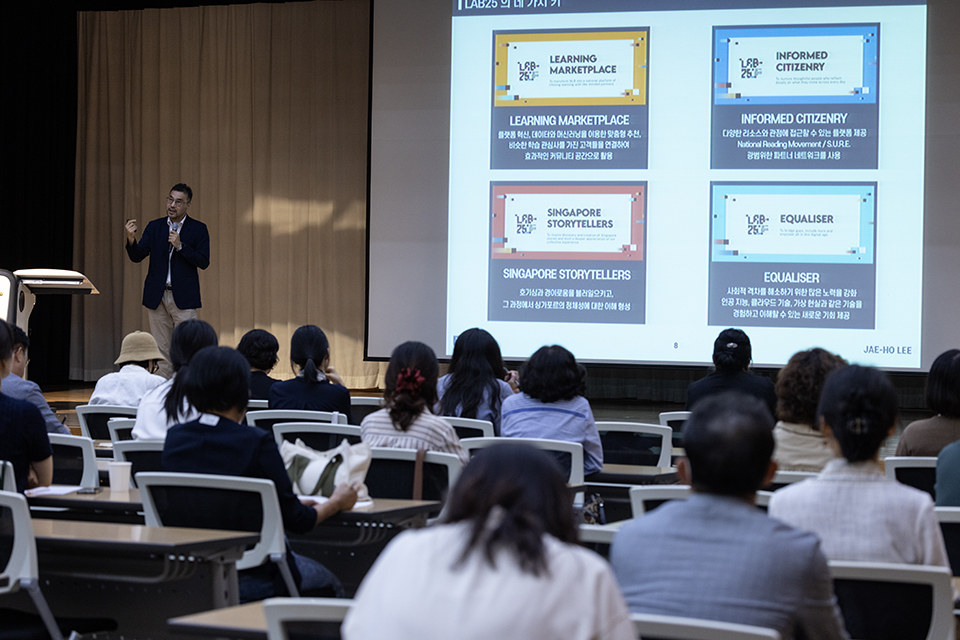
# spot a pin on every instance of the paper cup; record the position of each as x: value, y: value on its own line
x: 120, y: 476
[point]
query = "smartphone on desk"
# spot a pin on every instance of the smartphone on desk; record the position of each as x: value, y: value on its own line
x: 90, y: 490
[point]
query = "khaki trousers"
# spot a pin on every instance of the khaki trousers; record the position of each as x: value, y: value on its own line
x: 162, y: 321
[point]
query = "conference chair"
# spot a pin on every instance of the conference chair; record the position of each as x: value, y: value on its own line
x: 646, y: 498
x: 267, y: 418
x: 949, y: 518
x: 144, y: 455
x: 675, y: 420
x: 74, y: 460
x: 8, y: 478
x: 362, y: 406
x: 471, y: 427
x: 317, y: 618
x: 121, y: 429
x: 392, y: 473
x: 94, y: 417
x: 903, y: 601
x: 231, y: 503
x: 783, y: 478
x: 916, y: 471
x: 636, y: 443
x: 656, y: 627
x: 19, y: 565
x: 569, y: 454
x: 254, y: 405
x: 316, y: 435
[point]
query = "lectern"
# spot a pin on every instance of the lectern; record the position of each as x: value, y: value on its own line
x: 19, y: 290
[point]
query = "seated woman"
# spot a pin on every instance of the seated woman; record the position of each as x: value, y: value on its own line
x: 23, y: 434
x: 858, y: 513
x: 477, y: 383
x: 260, y: 349
x: 928, y: 437
x: 407, y: 421
x: 732, y: 355
x: 217, y: 384
x: 166, y: 405
x: 552, y: 405
x: 138, y: 360
x: 800, y: 444
x: 504, y: 564
x: 318, y: 386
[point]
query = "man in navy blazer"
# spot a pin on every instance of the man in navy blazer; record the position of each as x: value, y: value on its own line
x: 177, y: 246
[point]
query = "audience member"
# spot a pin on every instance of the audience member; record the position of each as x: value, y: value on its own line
x: 19, y: 388
x: 216, y: 383
x: 166, y: 405
x: 477, y: 383
x: 552, y: 405
x: 138, y: 364
x: 318, y: 386
x: 732, y: 355
x: 504, y: 564
x: 928, y: 437
x: 858, y: 513
x: 407, y: 421
x: 260, y: 349
x: 23, y: 439
x: 717, y: 556
x: 800, y: 446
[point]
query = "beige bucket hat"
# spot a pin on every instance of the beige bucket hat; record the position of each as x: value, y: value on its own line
x: 138, y: 347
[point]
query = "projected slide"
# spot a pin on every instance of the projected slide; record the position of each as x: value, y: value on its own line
x: 565, y: 252
x: 795, y: 97
x: 570, y: 99
x: 793, y: 255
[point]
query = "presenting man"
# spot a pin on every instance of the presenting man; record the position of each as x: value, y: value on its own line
x: 177, y: 246
x: 717, y: 556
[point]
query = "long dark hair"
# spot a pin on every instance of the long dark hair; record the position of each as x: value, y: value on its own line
x: 308, y: 347
x: 943, y: 384
x: 475, y: 369
x: 552, y: 373
x: 217, y: 380
x: 860, y: 405
x: 511, y: 495
x: 188, y: 337
x: 411, y: 383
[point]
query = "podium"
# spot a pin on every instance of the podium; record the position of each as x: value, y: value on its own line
x: 19, y: 291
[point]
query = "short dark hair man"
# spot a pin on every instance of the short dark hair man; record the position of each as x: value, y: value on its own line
x: 16, y: 386
x: 178, y: 246
x: 717, y: 556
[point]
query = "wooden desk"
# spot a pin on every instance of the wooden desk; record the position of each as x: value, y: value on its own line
x: 123, y: 507
x: 635, y: 474
x: 137, y: 575
x: 245, y: 621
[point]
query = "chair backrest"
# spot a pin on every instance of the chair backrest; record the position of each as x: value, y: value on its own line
x: 362, y: 406
x: 636, y: 443
x: 316, y: 435
x: 121, y: 429
x: 317, y: 618
x: 646, y: 498
x: 674, y: 419
x: 916, y: 471
x: 93, y: 419
x: 254, y: 405
x: 783, y: 478
x: 949, y: 518
x: 206, y: 501
x: 470, y: 427
x: 649, y: 626
x: 267, y: 418
x: 570, y: 453
x: 74, y: 460
x: 903, y: 601
x: 144, y: 455
x: 391, y: 473
x: 9, y: 476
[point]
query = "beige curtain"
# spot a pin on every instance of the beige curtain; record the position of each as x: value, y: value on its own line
x: 262, y: 110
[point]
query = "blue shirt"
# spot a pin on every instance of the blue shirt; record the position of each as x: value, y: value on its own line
x: 16, y: 387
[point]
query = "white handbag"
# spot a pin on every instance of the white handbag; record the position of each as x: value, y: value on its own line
x: 316, y: 473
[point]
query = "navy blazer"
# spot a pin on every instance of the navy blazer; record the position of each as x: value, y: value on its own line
x: 194, y: 253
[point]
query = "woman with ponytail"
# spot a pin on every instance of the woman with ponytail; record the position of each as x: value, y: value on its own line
x: 407, y: 420
x: 858, y: 513
x: 505, y: 563
x: 166, y: 405
x: 318, y: 386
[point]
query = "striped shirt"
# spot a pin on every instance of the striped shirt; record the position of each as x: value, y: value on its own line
x: 427, y: 431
